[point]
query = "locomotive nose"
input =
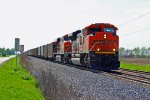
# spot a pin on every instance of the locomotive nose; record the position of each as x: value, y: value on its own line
x: 103, y: 60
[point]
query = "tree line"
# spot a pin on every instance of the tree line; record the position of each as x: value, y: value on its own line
x: 136, y: 52
x: 6, y: 51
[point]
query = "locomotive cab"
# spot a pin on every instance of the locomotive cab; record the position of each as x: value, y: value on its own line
x: 102, y: 44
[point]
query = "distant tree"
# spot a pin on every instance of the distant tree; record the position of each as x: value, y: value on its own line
x: 136, y: 51
x: 12, y: 51
x: 143, y: 51
x: 7, y: 51
x: 128, y: 53
x: 1, y: 51
x: 148, y: 51
x: 121, y: 51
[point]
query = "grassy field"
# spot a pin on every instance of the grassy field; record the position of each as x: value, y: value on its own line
x: 17, y: 83
x: 145, y: 68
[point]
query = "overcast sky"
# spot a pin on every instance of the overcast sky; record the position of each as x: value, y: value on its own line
x: 37, y: 22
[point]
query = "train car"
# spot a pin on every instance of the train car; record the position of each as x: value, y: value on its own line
x: 67, y: 49
x: 36, y: 52
x: 45, y: 51
x: 59, y: 49
x: 51, y: 50
x: 32, y: 52
x: 29, y: 52
x: 42, y: 52
x: 96, y: 46
x: 39, y: 52
x: 63, y: 49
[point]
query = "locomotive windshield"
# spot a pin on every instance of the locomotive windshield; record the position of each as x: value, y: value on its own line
x: 94, y: 30
x: 109, y: 30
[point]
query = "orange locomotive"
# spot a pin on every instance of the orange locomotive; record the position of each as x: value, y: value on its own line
x: 96, y: 46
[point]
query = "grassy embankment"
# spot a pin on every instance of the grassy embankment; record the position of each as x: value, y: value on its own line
x: 17, y: 84
x: 145, y: 68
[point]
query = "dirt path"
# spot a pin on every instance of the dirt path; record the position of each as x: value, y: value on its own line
x: 3, y: 59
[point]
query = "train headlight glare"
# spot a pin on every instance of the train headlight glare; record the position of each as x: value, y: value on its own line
x: 98, y: 49
x: 114, y: 49
x: 104, y: 36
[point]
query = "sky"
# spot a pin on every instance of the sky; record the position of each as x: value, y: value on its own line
x: 38, y: 22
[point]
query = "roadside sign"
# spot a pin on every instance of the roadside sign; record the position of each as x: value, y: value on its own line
x: 17, y: 42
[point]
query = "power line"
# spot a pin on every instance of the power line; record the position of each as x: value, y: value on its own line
x: 137, y: 31
x: 139, y: 17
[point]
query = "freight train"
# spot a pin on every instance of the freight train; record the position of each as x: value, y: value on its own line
x: 96, y: 46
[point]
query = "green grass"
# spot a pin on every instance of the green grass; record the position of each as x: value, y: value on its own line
x: 145, y: 68
x: 17, y: 84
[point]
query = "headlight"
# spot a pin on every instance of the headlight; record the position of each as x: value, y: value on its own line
x: 104, y: 36
x: 98, y: 49
x: 114, y: 49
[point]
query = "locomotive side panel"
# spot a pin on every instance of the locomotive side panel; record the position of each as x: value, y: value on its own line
x: 67, y: 47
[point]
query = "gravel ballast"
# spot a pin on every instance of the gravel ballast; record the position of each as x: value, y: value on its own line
x: 88, y: 85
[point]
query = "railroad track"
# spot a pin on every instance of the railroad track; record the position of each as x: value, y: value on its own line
x: 131, y: 75
x: 139, y: 72
x: 134, y: 76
